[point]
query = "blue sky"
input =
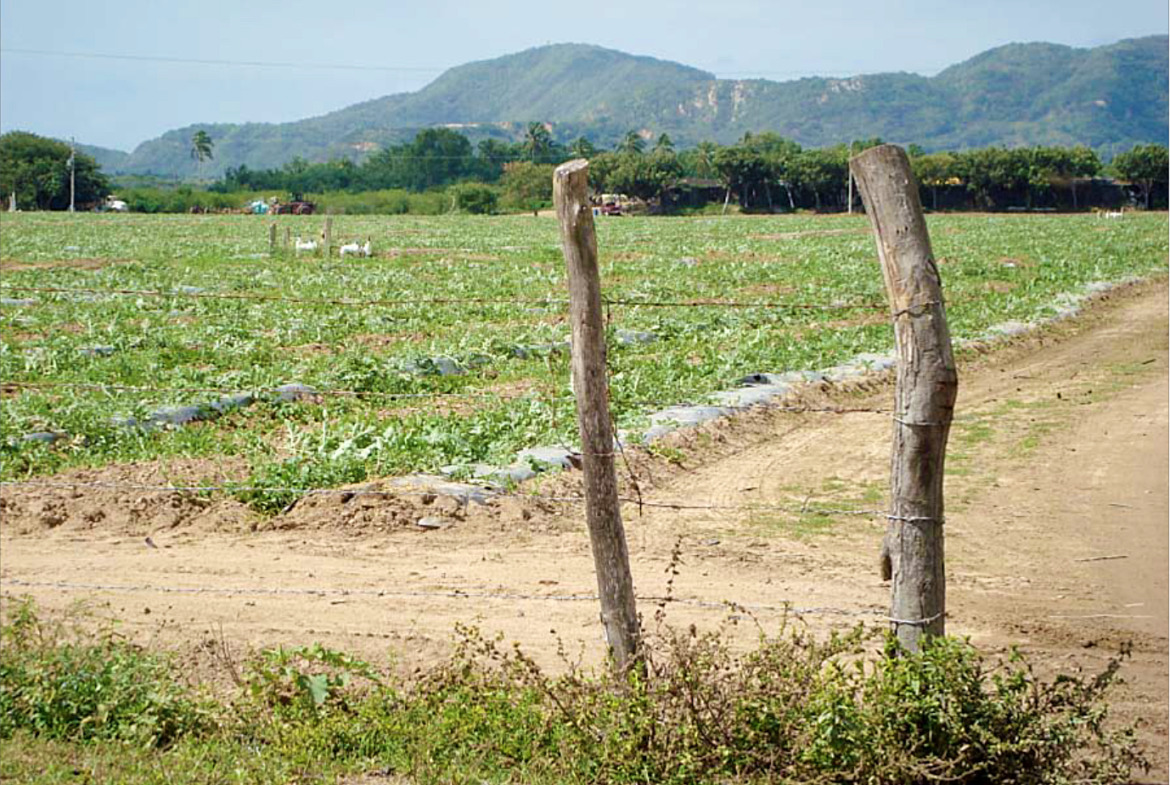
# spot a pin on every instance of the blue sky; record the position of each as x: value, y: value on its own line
x: 404, y: 45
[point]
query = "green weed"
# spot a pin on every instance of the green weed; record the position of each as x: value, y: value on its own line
x: 793, y: 709
x: 64, y: 687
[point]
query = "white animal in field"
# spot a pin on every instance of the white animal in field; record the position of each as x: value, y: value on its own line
x: 1116, y: 213
x: 357, y: 250
x: 305, y: 245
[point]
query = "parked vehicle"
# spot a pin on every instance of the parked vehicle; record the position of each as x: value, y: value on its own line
x: 612, y: 204
x: 296, y: 207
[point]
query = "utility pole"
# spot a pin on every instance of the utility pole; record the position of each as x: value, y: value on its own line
x: 72, y: 172
x: 850, y: 178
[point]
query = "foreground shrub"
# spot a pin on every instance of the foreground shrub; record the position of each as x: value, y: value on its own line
x: 791, y: 710
x: 474, y: 198
x: 101, y: 687
x: 794, y: 709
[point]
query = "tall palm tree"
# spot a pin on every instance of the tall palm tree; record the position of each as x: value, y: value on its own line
x: 705, y: 159
x: 537, y: 142
x: 201, y: 147
x: 664, y: 144
x: 632, y: 143
x: 583, y: 148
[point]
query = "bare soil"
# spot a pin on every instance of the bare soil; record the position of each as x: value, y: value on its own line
x: 1056, y: 531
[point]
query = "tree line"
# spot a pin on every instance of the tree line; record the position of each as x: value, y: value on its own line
x: 36, y: 171
x: 761, y: 172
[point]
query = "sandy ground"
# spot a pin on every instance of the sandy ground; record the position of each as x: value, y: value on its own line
x: 1056, y: 532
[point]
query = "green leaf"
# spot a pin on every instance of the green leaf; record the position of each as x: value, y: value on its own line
x: 318, y: 687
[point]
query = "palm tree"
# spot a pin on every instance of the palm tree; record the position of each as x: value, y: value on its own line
x: 537, y: 142
x: 664, y: 144
x: 201, y: 146
x: 632, y: 143
x: 583, y: 148
x: 705, y: 159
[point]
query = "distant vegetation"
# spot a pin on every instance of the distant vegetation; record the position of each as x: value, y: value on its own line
x: 1109, y: 98
x: 37, y: 170
x: 762, y: 172
x: 440, y: 171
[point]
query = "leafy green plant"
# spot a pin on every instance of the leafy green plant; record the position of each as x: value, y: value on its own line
x: 995, y: 269
x: 305, y: 678
x: 62, y: 684
x: 474, y: 198
x: 792, y: 709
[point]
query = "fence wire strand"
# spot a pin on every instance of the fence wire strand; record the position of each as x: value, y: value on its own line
x: 428, y: 301
x: 533, y: 393
x: 449, y: 594
x: 467, y: 492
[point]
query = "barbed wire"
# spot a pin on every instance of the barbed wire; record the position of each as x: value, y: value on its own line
x: 308, y: 391
x: 726, y: 605
x: 409, y: 302
x: 464, y: 491
x: 284, y: 298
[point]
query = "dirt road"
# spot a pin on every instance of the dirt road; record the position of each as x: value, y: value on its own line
x: 1056, y: 533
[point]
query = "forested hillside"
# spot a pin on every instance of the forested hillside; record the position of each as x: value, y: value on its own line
x: 1109, y: 98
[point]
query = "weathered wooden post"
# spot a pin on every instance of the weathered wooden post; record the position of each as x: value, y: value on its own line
x: 287, y: 238
x: 611, y: 557
x: 272, y: 238
x: 327, y: 237
x: 927, y: 383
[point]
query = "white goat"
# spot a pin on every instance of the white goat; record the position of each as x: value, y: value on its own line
x: 305, y: 245
x: 357, y: 250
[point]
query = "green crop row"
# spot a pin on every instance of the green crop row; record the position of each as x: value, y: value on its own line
x: 509, y: 354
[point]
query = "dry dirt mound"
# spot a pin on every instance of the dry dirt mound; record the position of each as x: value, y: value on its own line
x: 119, y: 499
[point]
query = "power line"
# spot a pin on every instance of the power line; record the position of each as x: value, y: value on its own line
x: 210, y: 61
x: 724, y: 75
x: 734, y: 75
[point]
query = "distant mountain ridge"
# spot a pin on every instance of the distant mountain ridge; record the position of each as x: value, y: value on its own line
x: 1109, y: 98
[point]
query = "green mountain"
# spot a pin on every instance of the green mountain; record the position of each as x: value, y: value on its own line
x: 1109, y: 97
x: 108, y: 159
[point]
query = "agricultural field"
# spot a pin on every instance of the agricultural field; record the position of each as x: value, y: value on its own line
x: 340, y: 639
x: 447, y: 348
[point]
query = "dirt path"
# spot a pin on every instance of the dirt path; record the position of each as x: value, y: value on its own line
x: 1056, y: 534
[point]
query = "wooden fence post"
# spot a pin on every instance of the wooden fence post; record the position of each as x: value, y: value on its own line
x: 327, y: 238
x: 927, y: 383
x: 611, y: 557
x: 272, y: 238
x: 287, y: 238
